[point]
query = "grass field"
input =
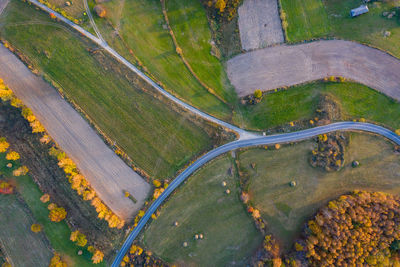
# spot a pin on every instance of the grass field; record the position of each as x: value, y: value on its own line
x: 57, y: 233
x: 202, y: 206
x: 299, y: 103
x: 287, y: 208
x: 21, y: 245
x: 142, y: 27
x: 306, y: 19
x: 322, y: 18
x: 368, y: 28
x: 189, y: 23
x: 159, y: 140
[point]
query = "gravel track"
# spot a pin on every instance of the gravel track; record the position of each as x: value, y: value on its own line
x: 285, y: 65
x: 105, y: 171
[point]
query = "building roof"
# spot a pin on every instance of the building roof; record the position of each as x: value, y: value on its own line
x: 359, y: 10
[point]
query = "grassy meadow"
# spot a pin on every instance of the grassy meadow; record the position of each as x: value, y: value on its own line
x: 158, y: 139
x: 287, y: 208
x: 312, y: 19
x: 300, y: 102
x: 201, y: 206
x: 141, y: 25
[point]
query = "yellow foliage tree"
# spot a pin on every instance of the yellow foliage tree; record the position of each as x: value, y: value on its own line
x: 4, y: 145
x: 97, y: 257
x: 56, y: 261
x: 12, y: 155
x: 45, y: 198
x: 21, y: 171
x: 57, y: 214
x: 36, y: 228
x: 79, y: 238
x: 220, y: 4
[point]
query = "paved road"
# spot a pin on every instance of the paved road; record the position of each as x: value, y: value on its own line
x: 287, y: 65
x: 242, y: 133
x: 261, y: 140
x: 105, y: 171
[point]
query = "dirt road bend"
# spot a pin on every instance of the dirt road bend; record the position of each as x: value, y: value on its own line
x: 286, y: 65
x: 105, y: 171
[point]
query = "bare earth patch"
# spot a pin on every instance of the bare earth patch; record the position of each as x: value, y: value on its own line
x: 259, y: 24
x: 280, y: 66
x: 105, y: 171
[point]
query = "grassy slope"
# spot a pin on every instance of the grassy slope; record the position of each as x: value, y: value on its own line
x: 24, y: 247
x: 307, y: 19
x: 321, y: 18
x: 142, y: 29
x: 299, y: 102
x: 201, y: 206
x: 368, y: 28
x: 189, y: 23
x: 156, y: 138
x: 57, y: 233
x: 287, y: 208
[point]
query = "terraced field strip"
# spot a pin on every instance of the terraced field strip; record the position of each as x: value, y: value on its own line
x: 21, y: 246
x: 285, y: 65
x: 105, y: 171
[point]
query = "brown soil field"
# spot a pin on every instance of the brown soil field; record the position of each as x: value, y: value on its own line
x: 107, y: 173
x: 285, y: 65
x: 259, y: 24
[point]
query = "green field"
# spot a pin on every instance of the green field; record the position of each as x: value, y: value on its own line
x: 299, y: 103
x: 307, y: 19
x: 159, y: 140
x: 57, y: 233
x: 287, y: 208
x: 202, y: 206
x: 322, y: 18
x: 142, y: 27
x: 189, y: 23
x: 368, y: 28
x: 23, y: 247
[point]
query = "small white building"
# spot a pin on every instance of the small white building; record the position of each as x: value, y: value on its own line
x: 359, y: 10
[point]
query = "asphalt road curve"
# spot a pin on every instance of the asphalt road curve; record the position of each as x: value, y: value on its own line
x: 261, y: 140
x: 105, y: 171
x: 288, y: 65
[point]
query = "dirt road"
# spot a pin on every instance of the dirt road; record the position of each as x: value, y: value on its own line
x: 259, y: 24
x: 105, y: 171
x: 285, y: 65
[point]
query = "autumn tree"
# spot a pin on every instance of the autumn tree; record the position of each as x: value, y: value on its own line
x: 4, y: 145
x: 78, y: 238
x: 23, y: 170
x: 220, y: 5
x: 56, y: 214
x: 36, y: 228
x: 356, y: 229
x: 56, y: 261
x: 12, y: 155
x: 97, y: 256
x: 45, y: 198
x: 258, y: 94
